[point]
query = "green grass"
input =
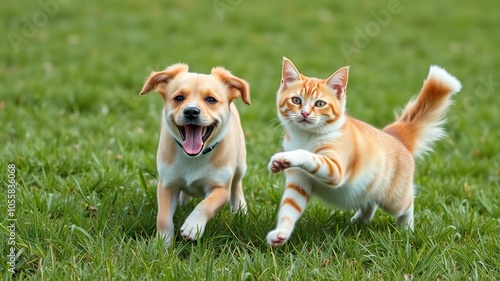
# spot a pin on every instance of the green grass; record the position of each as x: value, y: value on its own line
x: 84, y: 143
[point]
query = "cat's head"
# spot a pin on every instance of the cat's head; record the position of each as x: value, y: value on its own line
x: 311, y: 104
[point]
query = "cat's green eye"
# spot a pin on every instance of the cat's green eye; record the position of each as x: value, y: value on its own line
x: 319, y: 103
x: 296, y: 100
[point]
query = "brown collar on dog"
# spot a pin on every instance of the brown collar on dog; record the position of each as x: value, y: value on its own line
x: 205, y: 151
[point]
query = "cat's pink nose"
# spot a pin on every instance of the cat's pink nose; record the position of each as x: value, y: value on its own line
x: 305, y: 114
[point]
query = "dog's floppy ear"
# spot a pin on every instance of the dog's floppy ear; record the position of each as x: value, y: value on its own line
x: 163, y: 76
x: 237, y: 87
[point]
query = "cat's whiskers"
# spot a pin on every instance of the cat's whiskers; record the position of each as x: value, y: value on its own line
x: 290, y: 122
x: 321, y: 126
x: 275, y: 124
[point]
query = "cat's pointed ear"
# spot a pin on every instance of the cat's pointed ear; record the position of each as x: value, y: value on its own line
x: 289, y: 73
x: 338, y: 81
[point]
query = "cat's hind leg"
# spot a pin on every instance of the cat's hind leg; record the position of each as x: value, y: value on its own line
x: 406, y: 219
x: 365, y: 213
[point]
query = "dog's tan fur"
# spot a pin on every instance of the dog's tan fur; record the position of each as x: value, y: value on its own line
x: 215, y: 175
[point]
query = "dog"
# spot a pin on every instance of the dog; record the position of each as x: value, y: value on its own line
x: 201, y: 152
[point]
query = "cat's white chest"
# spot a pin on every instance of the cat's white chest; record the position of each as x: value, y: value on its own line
x: 306, y: 141
x: 298, y: 142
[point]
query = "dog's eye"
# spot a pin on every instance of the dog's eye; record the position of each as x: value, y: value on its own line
x: 179, y: 98
x: 296, y: 100
x: 211, y: 100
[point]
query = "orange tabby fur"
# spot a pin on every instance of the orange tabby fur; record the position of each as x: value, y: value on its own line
x: 344, y: 161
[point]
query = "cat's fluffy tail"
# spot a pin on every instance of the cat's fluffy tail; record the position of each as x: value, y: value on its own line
x: 420, y: 124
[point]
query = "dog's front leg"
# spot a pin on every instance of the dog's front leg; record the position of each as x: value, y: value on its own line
x: 194, y: 226
x: 168, y: 198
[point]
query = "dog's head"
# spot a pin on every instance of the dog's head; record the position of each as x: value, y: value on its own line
x: 196, y: 105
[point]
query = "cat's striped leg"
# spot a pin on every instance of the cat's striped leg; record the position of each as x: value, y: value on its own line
x: 325, y: 168
x: 293, y: 203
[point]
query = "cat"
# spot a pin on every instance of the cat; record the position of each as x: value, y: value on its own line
x: 344, y: 161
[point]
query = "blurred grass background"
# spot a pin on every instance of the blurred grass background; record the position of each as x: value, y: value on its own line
x: 84, y: 142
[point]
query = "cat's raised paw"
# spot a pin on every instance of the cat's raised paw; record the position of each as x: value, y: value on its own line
x: 278, y: 163
x: 277, y: 237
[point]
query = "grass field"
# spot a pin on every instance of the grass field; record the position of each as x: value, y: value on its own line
x: 81, y: 143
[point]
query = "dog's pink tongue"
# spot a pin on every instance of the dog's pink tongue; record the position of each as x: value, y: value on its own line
x: 193, y: 142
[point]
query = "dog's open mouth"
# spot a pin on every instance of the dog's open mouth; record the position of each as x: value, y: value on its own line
x: 194, y: 137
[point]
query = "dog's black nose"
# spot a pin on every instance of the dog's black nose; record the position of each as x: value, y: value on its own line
x: 191, y: 113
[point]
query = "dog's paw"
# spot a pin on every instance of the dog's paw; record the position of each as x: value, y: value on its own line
x: 193, y: 227
x: 165, y: 230
x: 239, y: 205
x: 166, y: 236
x: 192, y: 232
x: 279, y: 162
x: 278, y: 237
